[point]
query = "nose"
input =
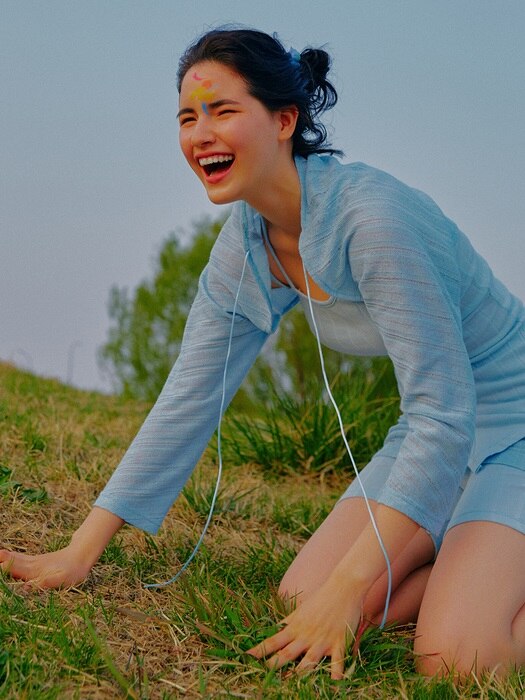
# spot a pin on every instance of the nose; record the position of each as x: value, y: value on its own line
x: 202, y: 132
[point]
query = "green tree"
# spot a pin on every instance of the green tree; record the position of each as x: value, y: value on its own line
x: 147, y: 326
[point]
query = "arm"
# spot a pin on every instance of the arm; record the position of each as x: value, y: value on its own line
x: 171, y: 441
x: 167, y: 447
x: 412, y: 292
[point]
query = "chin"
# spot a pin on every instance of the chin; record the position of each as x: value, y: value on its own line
x: 221, y: 197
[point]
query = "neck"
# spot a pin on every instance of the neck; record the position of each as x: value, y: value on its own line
x: 279, y: 201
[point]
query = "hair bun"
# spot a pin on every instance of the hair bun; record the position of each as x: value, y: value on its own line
x: 317, y: 63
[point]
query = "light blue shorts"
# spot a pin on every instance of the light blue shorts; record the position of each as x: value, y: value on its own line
x: 495, y: 492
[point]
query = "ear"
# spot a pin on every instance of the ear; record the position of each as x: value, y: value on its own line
x: 287, y: 117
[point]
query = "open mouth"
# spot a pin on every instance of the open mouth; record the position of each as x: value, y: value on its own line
x: 216, y: 164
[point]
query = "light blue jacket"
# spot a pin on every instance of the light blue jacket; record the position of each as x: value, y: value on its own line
x: 455, y: 334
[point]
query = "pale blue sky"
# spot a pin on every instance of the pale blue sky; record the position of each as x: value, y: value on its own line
x: 91, y: 180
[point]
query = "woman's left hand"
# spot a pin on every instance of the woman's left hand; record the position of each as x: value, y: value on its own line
x: 322, y: 626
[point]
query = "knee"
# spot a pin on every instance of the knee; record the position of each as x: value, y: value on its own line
x: 449, y: 649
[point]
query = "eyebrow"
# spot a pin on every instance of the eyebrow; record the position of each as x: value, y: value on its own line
x: 210, y: 105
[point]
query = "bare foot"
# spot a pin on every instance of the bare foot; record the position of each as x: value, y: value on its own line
x: 59, y: 569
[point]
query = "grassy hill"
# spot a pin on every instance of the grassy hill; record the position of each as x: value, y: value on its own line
x: 110, y: 637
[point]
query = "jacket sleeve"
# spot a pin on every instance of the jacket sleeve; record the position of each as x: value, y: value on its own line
x: 418, y: 316
x: 170, y: 442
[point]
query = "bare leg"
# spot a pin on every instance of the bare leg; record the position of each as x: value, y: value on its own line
x: 410, y: 572
x: 405, y: 601
x: 316, y: 560
x: 325, y: 548
x: 473, y: 612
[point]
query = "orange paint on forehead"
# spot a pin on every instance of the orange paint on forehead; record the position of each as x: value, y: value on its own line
x: 203, y: 92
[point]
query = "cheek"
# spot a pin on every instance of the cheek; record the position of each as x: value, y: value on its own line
x: 239, y: 138
x: 256, y: 137
x: 183, y: 141
x: 185, y: 146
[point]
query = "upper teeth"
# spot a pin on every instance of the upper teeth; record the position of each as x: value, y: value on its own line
x: 214, y: 159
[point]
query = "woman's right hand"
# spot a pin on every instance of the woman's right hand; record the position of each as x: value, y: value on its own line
x: 59, y: 569
x: 70, y: 565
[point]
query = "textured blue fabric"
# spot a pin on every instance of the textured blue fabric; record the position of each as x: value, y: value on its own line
x: 494, y: 493
x: 455, y: 334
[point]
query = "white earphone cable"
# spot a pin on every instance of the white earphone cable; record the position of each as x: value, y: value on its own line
x: 219, y: 451
x: 349, y: 451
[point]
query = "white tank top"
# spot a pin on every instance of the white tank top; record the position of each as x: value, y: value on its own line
x: 344, y: 326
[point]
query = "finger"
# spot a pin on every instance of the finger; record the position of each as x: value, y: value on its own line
x: 6, y: 559
x: 363, y: 626
x: 16, y: 565
x: 24, y: 567
x: 29, y: 568
x: 287, y: 654
x: 337, y: 664
x: 272, y: 644
x: 310, y: 661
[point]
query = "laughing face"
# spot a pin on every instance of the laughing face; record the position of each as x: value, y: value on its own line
x: 231, y: 140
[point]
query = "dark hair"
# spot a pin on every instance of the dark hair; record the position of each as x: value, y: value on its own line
x: 274, y: 76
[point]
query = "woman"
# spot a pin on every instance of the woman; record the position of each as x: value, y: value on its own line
x: 379, y: 270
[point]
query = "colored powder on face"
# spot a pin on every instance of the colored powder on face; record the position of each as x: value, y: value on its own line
x: 204, y: 92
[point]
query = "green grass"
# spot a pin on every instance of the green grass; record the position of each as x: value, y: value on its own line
x: 302, y: 436
x: 111, y: 637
